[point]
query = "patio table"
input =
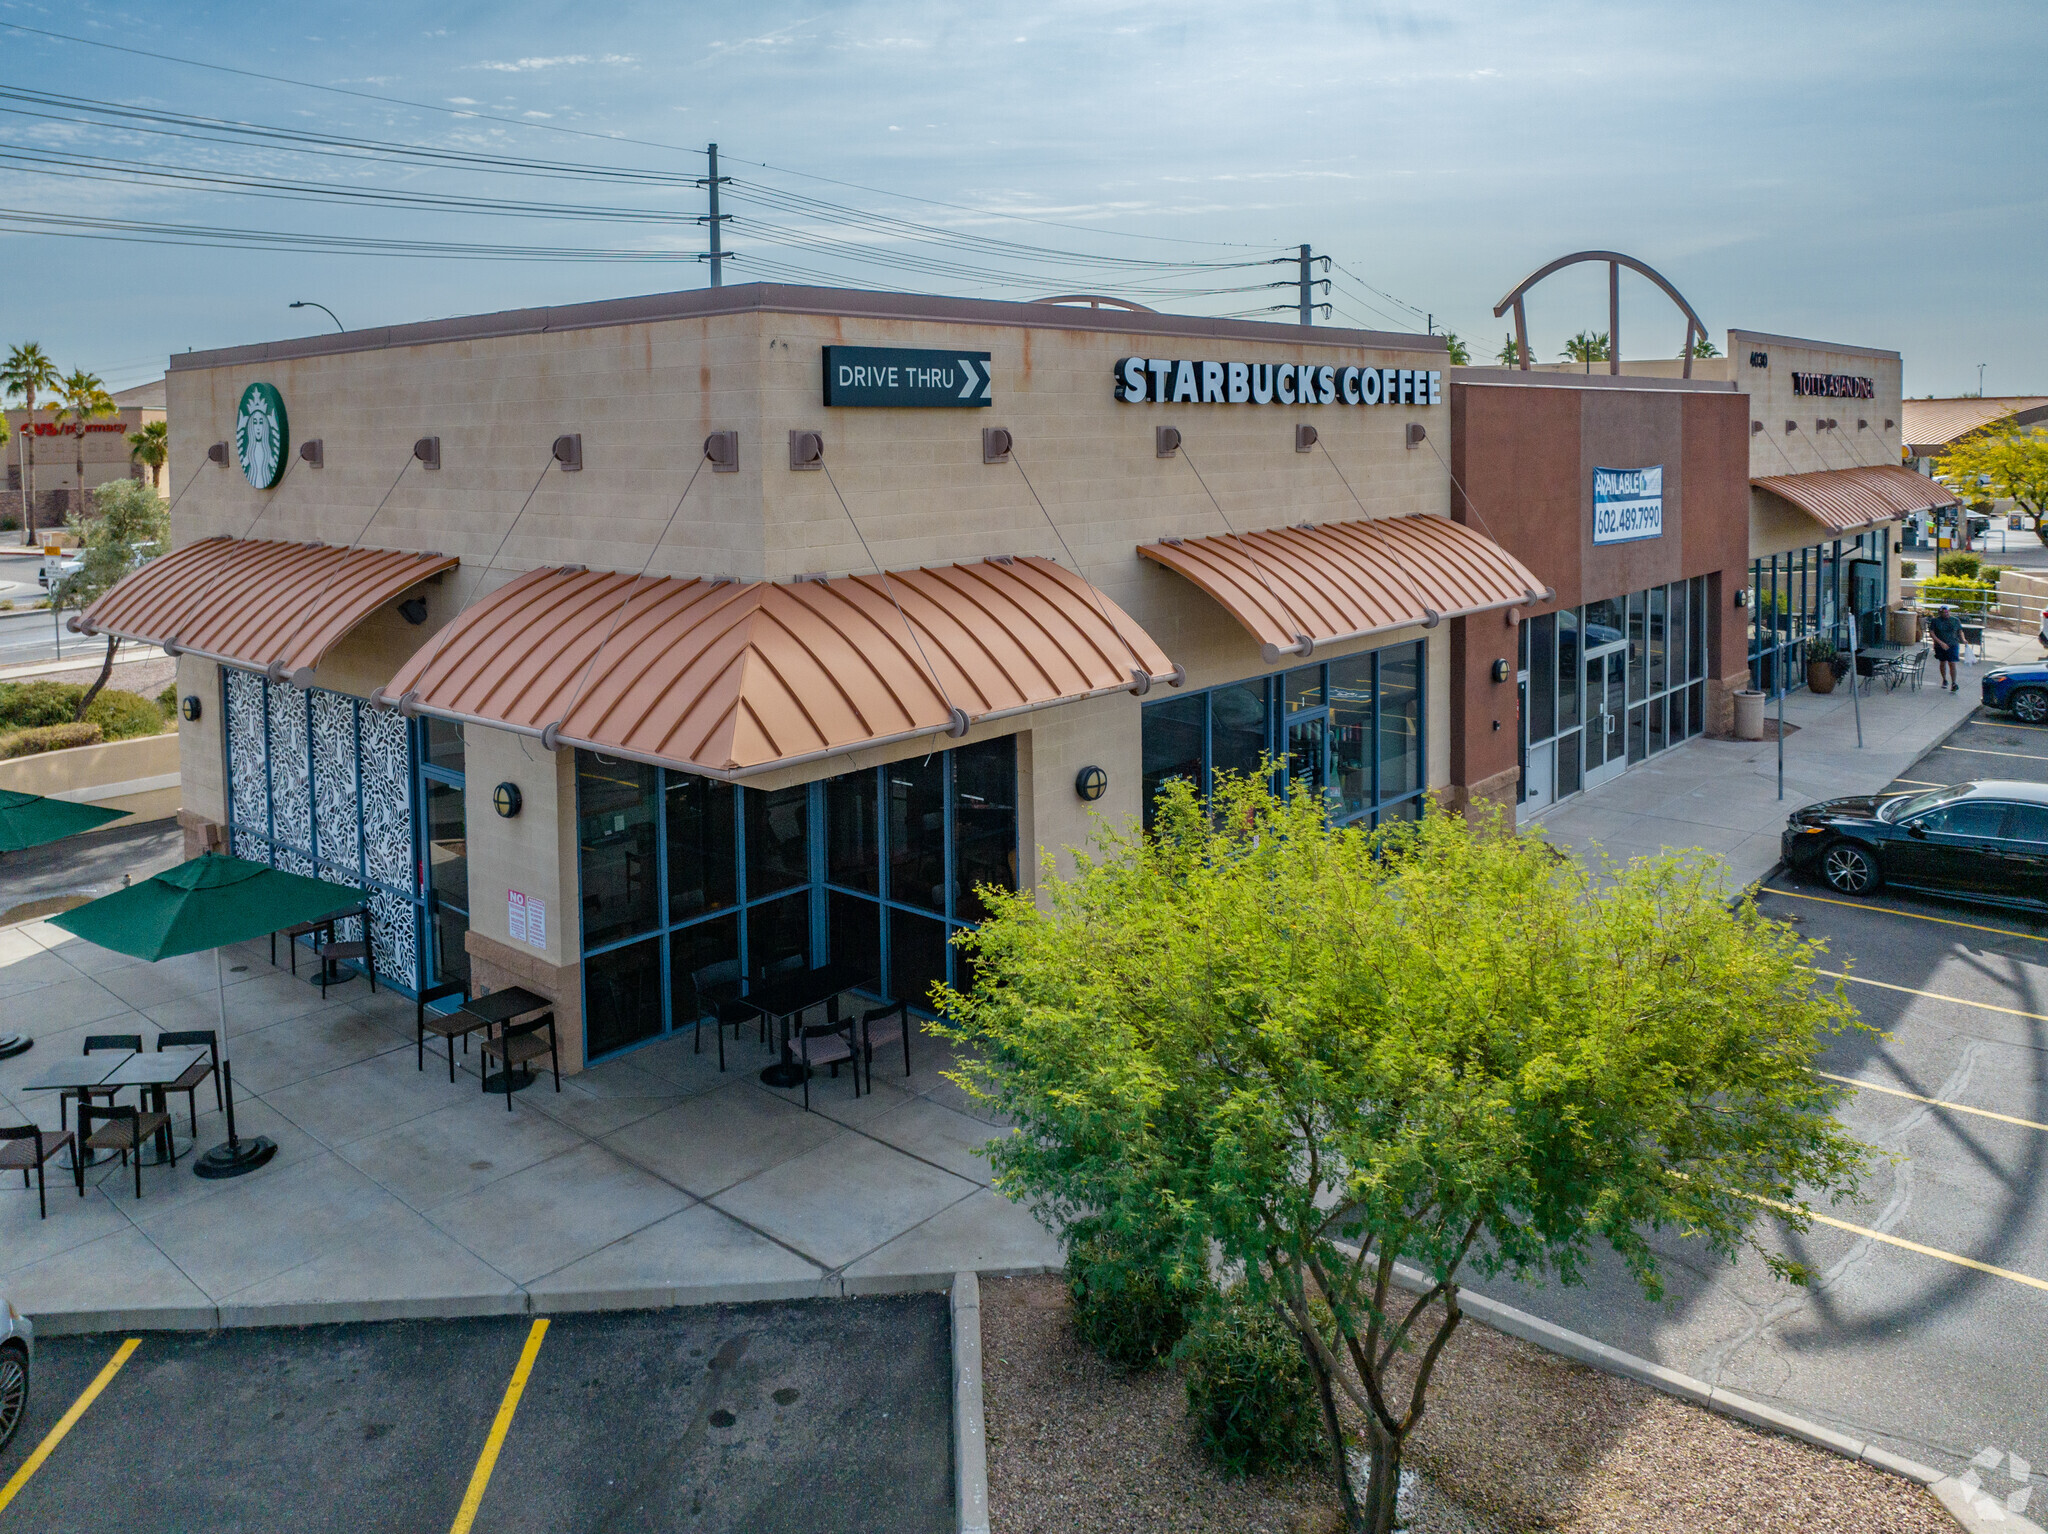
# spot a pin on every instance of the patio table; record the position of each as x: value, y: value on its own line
x: 494, y: 1009
x: 77, y: 1072
x: 152, y: 1072
x: 792, y: 995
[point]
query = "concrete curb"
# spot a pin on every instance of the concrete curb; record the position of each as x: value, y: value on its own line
x: 1972, y: 1509
x: 510, y: 1302
x: 970, y: 1446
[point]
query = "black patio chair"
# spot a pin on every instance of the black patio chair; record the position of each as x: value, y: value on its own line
x: 518, y: 1043
x: 828, y: 1043
x: 94, y: 1042
x: 197, y: 1071
x: 29, y: 1147
x: 127, y: 1130
x: 447, y: 1025
x: 331, y: 952
x: 884, y: 1025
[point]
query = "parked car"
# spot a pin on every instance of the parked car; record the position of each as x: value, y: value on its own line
x: 1984, y: 841
x: 51, y: 571
x: 17, y: 1353
x: 2021, y: 690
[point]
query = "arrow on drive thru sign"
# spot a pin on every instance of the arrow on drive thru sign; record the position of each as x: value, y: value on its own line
x: 979, y: 376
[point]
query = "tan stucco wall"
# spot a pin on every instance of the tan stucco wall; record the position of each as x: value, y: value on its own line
x: 125, y: 775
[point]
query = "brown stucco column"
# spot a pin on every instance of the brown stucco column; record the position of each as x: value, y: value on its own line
x: 1483, y: 718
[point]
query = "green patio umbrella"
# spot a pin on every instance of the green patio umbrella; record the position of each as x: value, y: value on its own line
x: 29, y: 820
x: 209, y: 902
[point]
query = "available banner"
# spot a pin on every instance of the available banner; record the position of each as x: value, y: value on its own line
x: 1628, y: 504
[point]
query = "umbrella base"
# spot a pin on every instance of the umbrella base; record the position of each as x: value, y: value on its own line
x: 522, y: 1078
x: 234, y: 1160
x: 12, y: 1044
x: 783, y: 1073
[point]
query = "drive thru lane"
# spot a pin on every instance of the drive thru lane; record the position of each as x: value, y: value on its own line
x: 824, y: 1415
x: 1926, y: 1327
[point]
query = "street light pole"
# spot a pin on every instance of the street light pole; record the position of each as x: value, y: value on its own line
x: 301, y: 303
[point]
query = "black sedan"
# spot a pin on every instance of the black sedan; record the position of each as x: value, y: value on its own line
x: 1983, y: 841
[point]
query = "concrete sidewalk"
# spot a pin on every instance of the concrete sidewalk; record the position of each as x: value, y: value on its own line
x: 1722, y: 795
x: 649, y: 1180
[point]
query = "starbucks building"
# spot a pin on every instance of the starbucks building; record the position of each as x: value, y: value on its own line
x: 650, y: 653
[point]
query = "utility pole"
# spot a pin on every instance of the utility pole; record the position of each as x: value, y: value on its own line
x: 1980, y: 380
x: 1308, y: 283
x: 716, y: 256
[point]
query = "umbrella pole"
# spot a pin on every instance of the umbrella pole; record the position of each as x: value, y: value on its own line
x: 237, y: 1156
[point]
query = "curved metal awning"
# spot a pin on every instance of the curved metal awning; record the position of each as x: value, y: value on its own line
x: 268, y: 606
x: 1293, y: 588
x: 727, y: 679
x: 1850, y: 500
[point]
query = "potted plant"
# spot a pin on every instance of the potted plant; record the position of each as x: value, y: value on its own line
x: 1825, y: 665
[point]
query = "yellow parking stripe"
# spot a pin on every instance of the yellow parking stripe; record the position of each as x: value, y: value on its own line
x: 1961, y: 1001
x: 1881, y: 910
x: 1912, y: 1246
x: 480, y: 1478
x: 1982, y: 1113
x: 67, y: 1422
x: 2025, y: 756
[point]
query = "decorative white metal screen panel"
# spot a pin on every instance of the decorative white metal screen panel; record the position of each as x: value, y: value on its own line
x: 291, y: 773
x: 385, y: 773
x: 394, y: 934
x: 248, y: 765
x: 335, y: 806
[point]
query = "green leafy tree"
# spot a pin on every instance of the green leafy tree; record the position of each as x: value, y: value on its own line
x: 1320, y: 1052
x: 132, y: 523
x: 81, y: 397
x: 151, y: 447
x: 27, y: 373
x: 1460, y: 355
x: 2003, y: 462
x: 1586, y: 346
x: 1702, y: 347
x: 1510, y: 354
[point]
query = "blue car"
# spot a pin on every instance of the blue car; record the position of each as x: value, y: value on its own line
x: 2021, y: 690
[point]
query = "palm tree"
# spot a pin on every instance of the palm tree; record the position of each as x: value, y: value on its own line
x: 28, y: 372
x: 80, y: 398
x: 1586, y: 346
x: 1459, y: 354
x: 1510, y: 354
x: 151, y: 447
x: 1702, y: 347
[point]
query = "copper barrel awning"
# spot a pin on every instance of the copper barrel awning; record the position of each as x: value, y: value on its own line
x: 1294, y: 588
x: 727, y: 679
x: 269, y: 606
x: 1849, y: 500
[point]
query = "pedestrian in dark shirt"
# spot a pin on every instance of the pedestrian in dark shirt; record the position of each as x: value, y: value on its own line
x: 1946, y: 630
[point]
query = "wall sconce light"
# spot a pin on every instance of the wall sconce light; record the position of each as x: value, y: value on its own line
x: 996, y: 443
x: 188, y: 707
x: 568, y: 451
x: 1165, y: 441
x: 313, y: 453
x: 806, y: 450
x: 218, y: 453
x: 505, y: 799
x: 1304, y: 439
x: 722, y: 449
x: 1500, y: 671
x: 1742, y: 596
x: 428, y: 451
x: 1862, y: 425
x: 1091, y: 783
x: 413, y: 610
x: 1416, y: 434
x: 1755, y: 427
x: 1790, y: 427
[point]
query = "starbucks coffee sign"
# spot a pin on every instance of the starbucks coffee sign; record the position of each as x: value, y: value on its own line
x: 1195, y: 381
x: 262, y: 436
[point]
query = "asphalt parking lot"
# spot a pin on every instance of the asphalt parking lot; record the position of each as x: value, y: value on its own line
x: 814, y: 1416
x: 1927, y: 1328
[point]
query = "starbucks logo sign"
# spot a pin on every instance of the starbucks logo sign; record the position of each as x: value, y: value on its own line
x: 261, y: 435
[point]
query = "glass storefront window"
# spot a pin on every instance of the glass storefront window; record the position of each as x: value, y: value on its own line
x: 917, y: 956
x: 853, y: 833
x: 1400, y: 721
x: 1567, y: 669
x: 778, y: 826
x: 447, y: 847
x: 917, y: 832
x: 1351, y: 732
x: 1657, y: 638
x: 1681, y: 652
x: 703, y: 969
x: 1172, y: 746
x: 1304, y: 688
x: 1637, y: 646
x: 1542, y: 676
x: 1237, y: 727
x: 442, y: 745
x: 615, y: 810
x: 701, y: 873
x: 778, y: 937
x: 622, y: 997
x: 984, y: 823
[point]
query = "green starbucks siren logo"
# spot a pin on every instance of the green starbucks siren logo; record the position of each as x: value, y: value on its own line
x: 262, y: 436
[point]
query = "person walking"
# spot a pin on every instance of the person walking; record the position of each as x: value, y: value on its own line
x: 1946, y: 630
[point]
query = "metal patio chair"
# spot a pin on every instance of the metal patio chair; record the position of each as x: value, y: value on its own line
x: 197, y: 1071
x: 126, y: 1130
x: 30, y: 1147
x: 881, y: 1026
x: 828, y: 1043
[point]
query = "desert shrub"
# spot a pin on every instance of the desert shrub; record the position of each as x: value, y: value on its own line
x: 1132, y: 1301
x: 1250, y: 1388
x: 32, y: 705
x: 49, y: 737
x: 1908, y: 569
x: 125, y: 715
x: 167, y: 700
x: 1965, y: 566
x: 1964, y: 595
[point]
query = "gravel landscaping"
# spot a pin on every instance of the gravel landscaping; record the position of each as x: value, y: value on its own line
x: 1515, y: 1439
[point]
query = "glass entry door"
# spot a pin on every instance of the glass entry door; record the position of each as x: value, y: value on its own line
x: 1606, y: 713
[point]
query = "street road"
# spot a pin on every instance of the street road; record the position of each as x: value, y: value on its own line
x: 820, y: 1416
x: 1932, y: 1349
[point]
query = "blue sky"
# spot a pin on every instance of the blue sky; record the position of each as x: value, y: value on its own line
x: 1861, y: 172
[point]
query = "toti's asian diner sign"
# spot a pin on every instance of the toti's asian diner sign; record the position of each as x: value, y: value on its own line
x: 1183, y: 381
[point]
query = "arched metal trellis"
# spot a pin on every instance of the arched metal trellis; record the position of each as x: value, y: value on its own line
x: 1695, y: 329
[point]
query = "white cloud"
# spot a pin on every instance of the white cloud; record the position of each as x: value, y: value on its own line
x: 558, y: 61
x: 463, y: 101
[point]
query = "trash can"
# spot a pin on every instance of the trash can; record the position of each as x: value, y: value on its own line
x: 1749, y: 714
x: 1902, y: 625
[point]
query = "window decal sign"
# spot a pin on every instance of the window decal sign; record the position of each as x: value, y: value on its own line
x: 905, y: 376
x: 1189, y: 381
x: 1628, y: 504
x: 262, y: 435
